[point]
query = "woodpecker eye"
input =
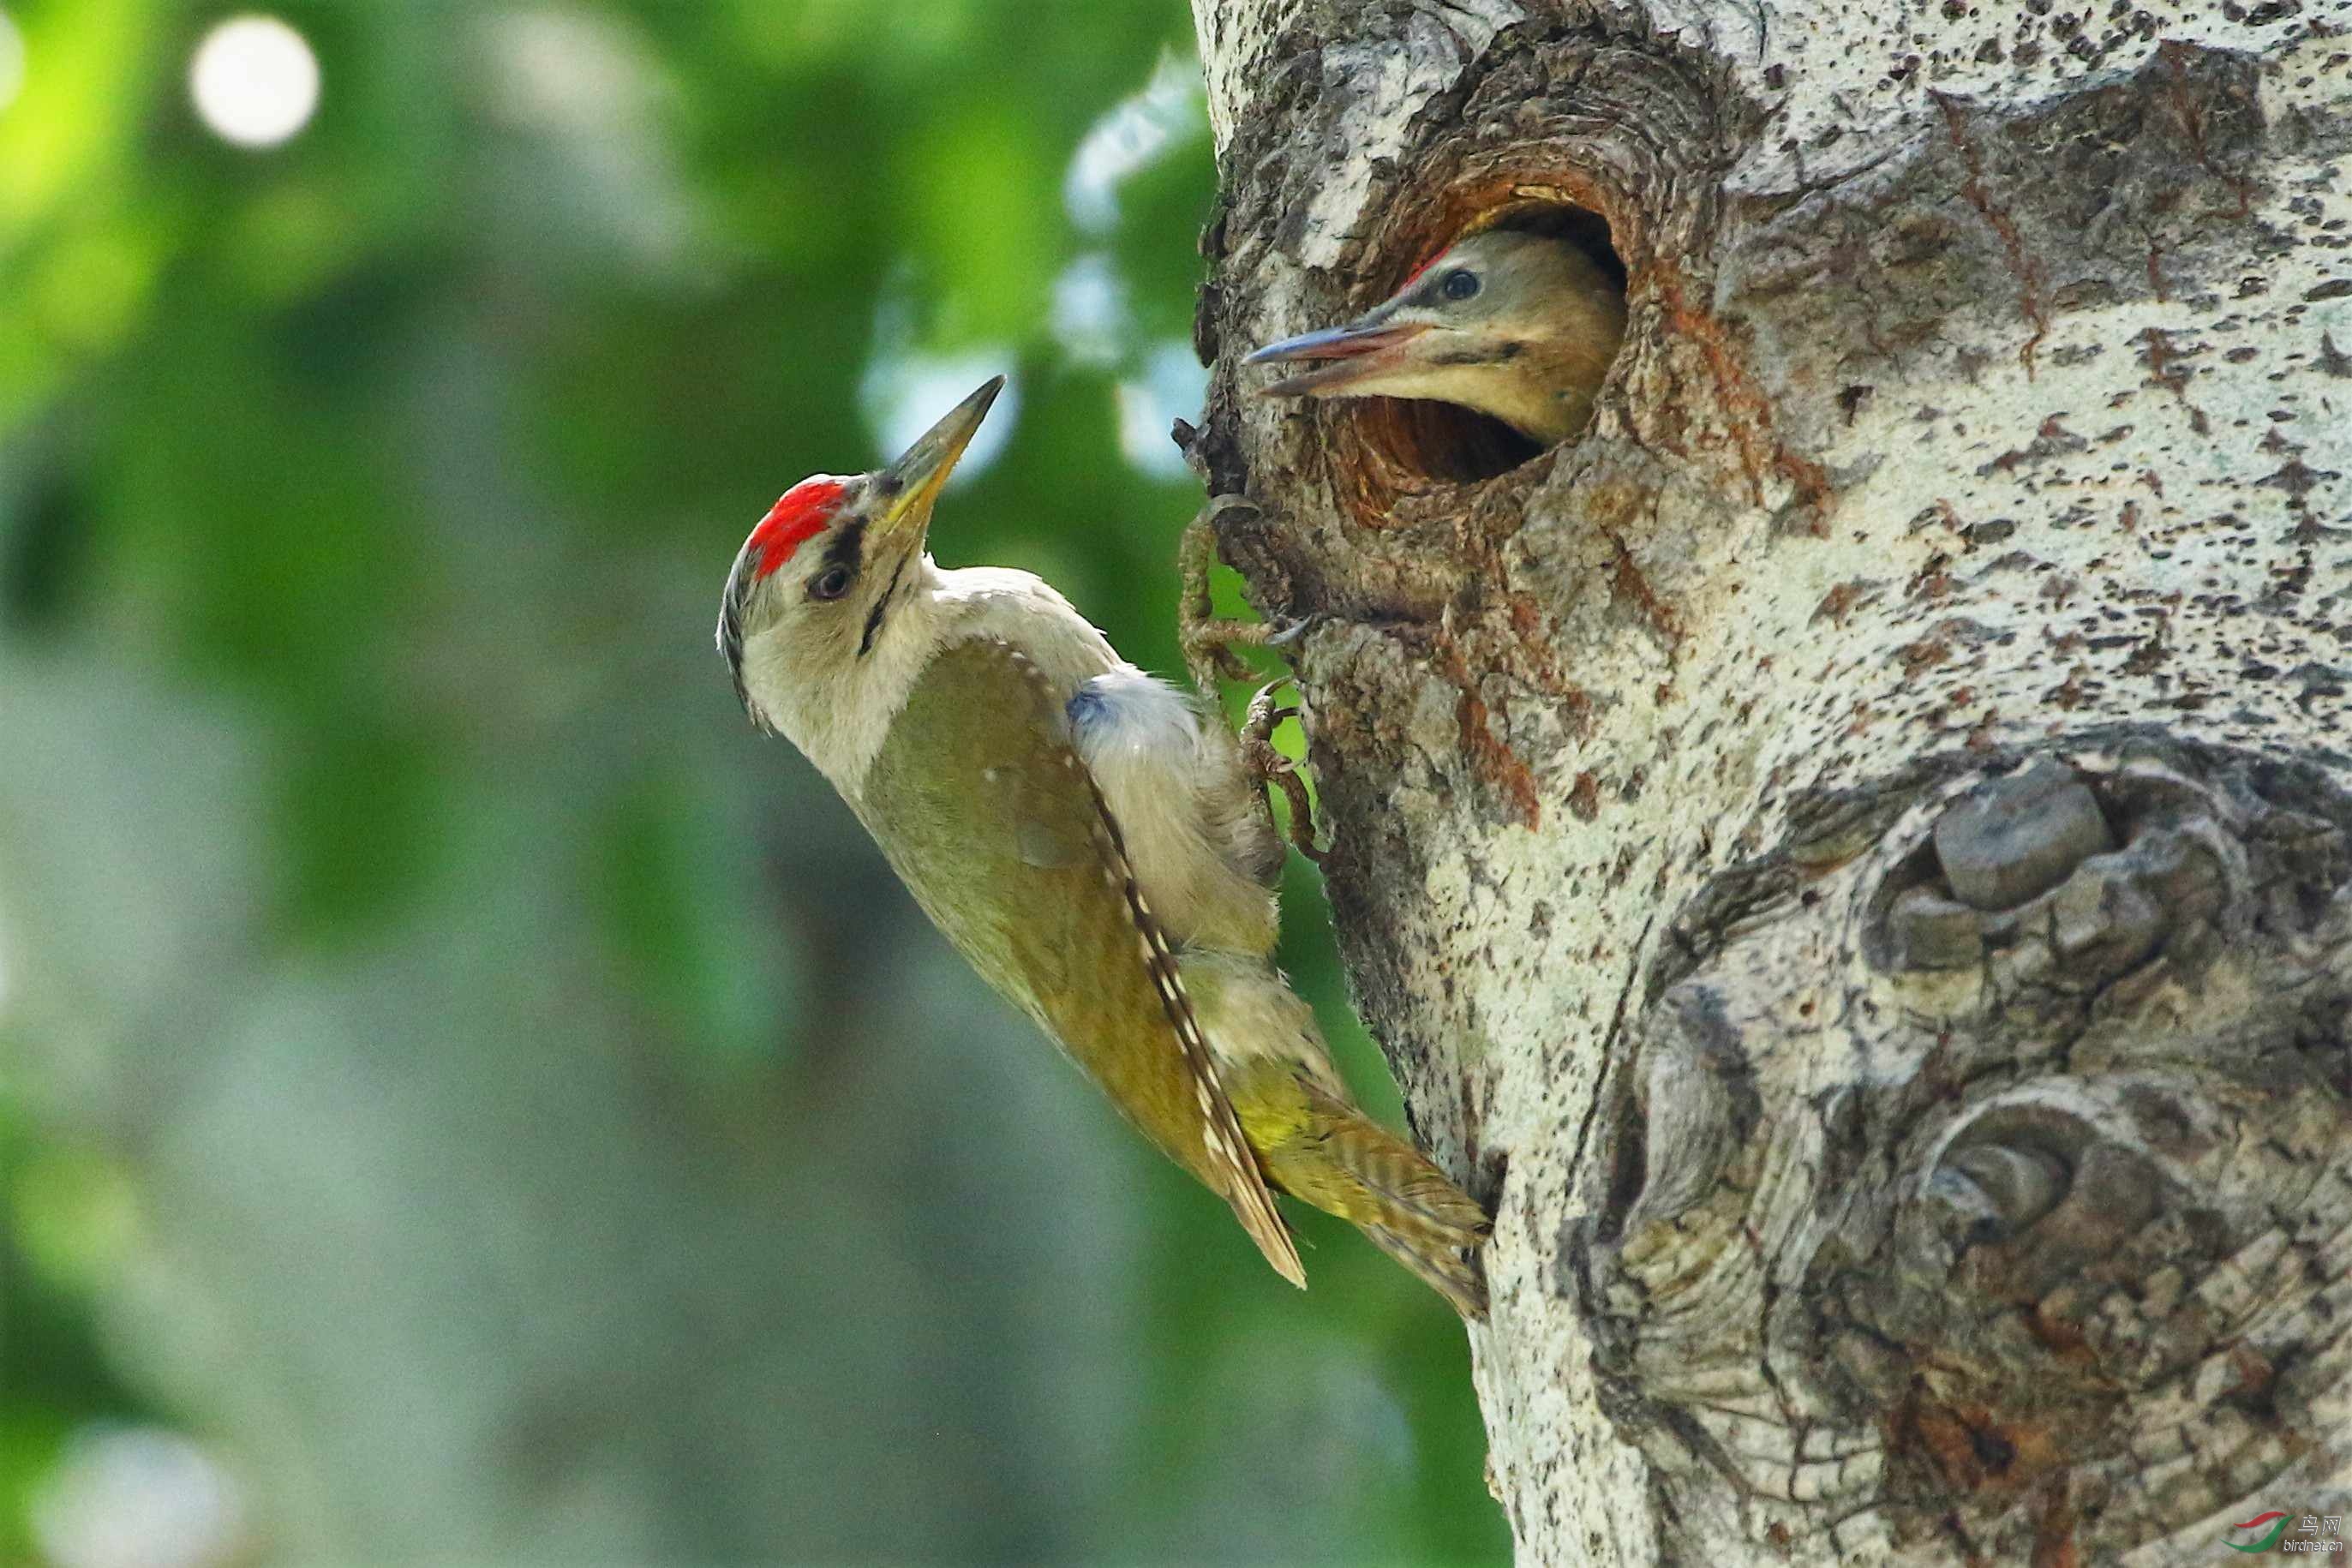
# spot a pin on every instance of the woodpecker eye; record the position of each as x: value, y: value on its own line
x: 1459, y: 284
x: 831, y: 583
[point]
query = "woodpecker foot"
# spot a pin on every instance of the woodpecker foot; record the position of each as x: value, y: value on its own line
x: 1269, y: 766
x: 1209, y: 644
x: 1207, y: 641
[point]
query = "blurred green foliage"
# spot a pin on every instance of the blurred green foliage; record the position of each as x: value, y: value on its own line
x: 396, y: 916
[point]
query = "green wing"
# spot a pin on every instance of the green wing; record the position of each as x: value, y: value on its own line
x: 978, y: 790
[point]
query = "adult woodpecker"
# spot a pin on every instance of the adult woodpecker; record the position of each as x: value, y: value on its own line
x: 1085, y: 834
x: 1517, y: 325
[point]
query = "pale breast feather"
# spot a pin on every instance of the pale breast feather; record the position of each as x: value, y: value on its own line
x: 985, y: 810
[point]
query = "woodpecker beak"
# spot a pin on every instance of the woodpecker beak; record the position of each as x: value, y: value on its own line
x: 1368, y: 346
x: 913, y: 482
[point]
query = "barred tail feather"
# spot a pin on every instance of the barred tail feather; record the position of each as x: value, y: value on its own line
x: 1452, y: 1272
x: 1352, y: 1166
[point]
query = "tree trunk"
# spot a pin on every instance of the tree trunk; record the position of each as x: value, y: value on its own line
x: 1851, y: 856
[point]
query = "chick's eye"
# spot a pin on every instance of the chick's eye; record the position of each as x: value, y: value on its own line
x: 830, y: 584
x: 1460, y: 284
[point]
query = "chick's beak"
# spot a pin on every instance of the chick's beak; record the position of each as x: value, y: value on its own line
x: 1366, y: 347
x: 913, y: 482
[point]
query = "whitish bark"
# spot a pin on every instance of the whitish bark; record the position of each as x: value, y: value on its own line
x: 1850, y: 855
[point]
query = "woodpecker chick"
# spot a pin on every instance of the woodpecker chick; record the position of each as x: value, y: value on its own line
x: 1515, y: 325
x: 1085, y: 835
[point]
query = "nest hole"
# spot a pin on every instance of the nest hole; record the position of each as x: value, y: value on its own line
x: 1414, y: 445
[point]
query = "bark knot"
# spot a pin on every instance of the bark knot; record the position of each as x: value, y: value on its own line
x: 2079, y: 1152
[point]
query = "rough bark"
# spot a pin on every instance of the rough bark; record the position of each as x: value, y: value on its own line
x: 1853, y: 855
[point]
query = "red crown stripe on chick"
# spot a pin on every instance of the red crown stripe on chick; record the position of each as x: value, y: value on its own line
x: 800, y: 514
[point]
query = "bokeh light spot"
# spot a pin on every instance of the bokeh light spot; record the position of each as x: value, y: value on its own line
x: 907, y: 386
x: 1133, y: 136
x: 1172, y: 386
x: 254, y: 81
x: 904, y: 396
x: 1090, y: 315
x: 12, y: 61
x: 138, y: 1496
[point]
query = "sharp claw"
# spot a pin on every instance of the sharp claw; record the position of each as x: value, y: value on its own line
x: 1269, y: 766
x: 1296, y: 631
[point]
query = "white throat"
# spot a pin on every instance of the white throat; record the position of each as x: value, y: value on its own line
x: 839, y: 711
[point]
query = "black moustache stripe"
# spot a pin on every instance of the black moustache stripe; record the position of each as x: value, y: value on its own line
x: 874, y: 619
